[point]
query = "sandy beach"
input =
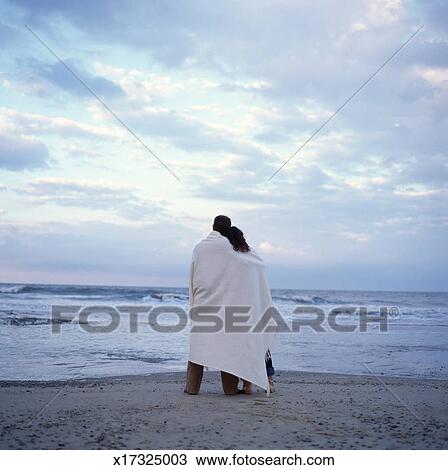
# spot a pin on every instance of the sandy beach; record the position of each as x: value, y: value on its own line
x: 307, y: 411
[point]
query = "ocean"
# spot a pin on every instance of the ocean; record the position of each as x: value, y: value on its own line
x: 414, y: 345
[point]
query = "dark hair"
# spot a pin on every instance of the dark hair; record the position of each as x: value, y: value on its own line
x: 221, y: 222
x: 236, y: 238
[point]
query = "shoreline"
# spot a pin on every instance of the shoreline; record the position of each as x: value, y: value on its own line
x: 7, y: 382
x: 307, y: 411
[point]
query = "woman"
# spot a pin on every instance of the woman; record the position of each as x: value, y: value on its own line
x: 238, y: 242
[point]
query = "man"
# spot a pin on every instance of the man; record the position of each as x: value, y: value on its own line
x: 196, y: 371
x: 230, y: 277
x: 221, y: 223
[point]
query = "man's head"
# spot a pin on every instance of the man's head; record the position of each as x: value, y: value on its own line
x: 221, y: 223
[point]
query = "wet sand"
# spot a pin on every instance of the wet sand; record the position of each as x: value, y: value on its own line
x: 307, y: 411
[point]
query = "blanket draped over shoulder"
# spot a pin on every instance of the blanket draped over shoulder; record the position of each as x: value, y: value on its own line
x: 220, y: 276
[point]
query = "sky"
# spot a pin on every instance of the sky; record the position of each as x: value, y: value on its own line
x: 223, y: 93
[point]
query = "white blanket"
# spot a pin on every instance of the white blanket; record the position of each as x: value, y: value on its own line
x: 220, y: 276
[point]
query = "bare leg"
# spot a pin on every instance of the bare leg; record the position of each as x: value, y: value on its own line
x: 247, y: 387
x: 229, y: 383
x: 194, y: 378
x: 271, y: 384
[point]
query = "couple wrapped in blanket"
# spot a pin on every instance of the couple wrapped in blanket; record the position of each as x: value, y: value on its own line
x: 228, y: 275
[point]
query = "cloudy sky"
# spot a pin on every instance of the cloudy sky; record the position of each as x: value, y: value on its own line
x: 224, y: 92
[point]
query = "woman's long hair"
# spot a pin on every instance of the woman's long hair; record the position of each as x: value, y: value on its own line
x: 236, y: 238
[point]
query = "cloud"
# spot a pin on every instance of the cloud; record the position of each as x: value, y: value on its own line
x: 429, y: 52
x: 94, y: 195
x: 311, y: 50
x: 19, y: 153
x: 227, y: 100
x: 13, y: 121
x: 357, y: 237
x: 431, y: 170
x: 142, y: 26
x: 249, y: 86
x: 7, y: 34
x: 306, y: 68
x: 228, y: 35
x: 144, y: 87
x: 146, y: 254
x: 434, y: 13
x: 187, y: 132
x: 57, y: 75
x: 25, y: 84
x: 288, y: 254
